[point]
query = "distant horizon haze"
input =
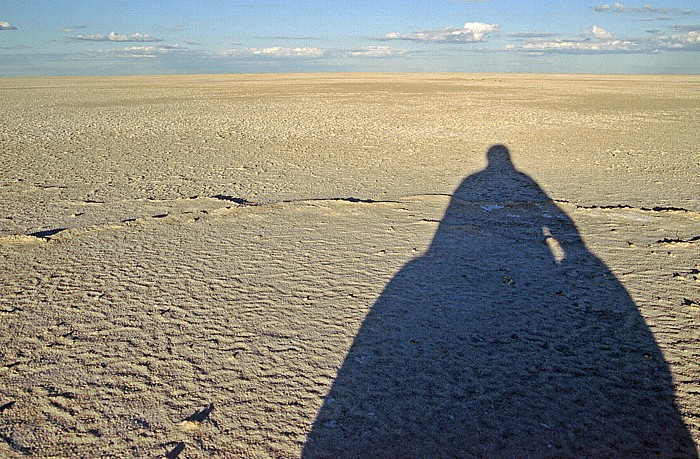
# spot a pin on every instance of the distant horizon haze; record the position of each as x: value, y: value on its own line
x: 138, y: 37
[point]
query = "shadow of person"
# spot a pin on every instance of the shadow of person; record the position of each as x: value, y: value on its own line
x: 507, y: 338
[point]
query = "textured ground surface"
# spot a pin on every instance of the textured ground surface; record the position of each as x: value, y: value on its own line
x: 207, y: 265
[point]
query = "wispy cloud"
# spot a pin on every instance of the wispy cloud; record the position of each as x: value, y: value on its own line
x: 7, y: 26
x: 376, y: 52
x: 286, y: 52
x: 134, y: 37
x: 16, y: 47
x: 470, y: 33
x: 146, y: 51
x: 532, y: 34
x: 286, y: 37
x: 137, y: 51
x: 275, y: 51
x: 70, y: 29
x: 687, y: 27
x: 618, y: 7
x: 574, y: 46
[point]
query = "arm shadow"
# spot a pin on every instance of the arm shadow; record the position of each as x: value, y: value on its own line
x: 507, y: 338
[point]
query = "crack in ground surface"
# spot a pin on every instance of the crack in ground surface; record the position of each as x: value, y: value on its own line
x: 47, y: 235
x: 626, y: 206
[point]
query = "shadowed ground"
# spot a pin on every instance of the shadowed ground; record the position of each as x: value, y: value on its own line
x: 186, y: 261
x: 506, y: 338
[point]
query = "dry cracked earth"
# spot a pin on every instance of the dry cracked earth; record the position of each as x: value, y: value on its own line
x: 331, y: 266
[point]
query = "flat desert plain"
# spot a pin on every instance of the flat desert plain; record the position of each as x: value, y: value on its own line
x: 350, y: 265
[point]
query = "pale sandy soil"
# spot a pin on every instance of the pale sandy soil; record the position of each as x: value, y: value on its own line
x: 285, y: 266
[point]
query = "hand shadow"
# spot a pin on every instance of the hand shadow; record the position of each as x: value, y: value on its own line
x: 507, y: 338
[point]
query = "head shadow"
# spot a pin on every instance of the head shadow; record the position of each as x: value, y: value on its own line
x: 507, y: 337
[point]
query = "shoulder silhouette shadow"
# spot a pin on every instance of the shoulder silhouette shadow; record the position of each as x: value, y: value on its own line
x: 507, y: 338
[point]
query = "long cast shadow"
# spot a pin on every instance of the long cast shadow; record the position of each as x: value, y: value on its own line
x: 507, y: 338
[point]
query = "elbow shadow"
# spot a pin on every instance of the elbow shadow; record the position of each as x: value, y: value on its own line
x: 507, y: 338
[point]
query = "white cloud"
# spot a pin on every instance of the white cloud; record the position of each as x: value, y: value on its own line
x: 138, y: 54
x: 139, y: 51
x: 618, y: 7
x: 577, y: 46
x: 377, y: 51
x: 134, y: 37
x: 597, y: 40
x: 471, y: 32
x: 689, y: 41
x: 279, y: 51
x: 7, y: 26
x: 476, y: 31
x: 690, y: 37
x: 150, y: 50
x: 601, y: 33
x: 276, y: 51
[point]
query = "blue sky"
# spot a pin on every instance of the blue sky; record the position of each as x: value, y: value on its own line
x: 126, y: 37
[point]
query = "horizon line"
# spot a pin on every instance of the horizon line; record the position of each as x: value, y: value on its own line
x: 347, y: 72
